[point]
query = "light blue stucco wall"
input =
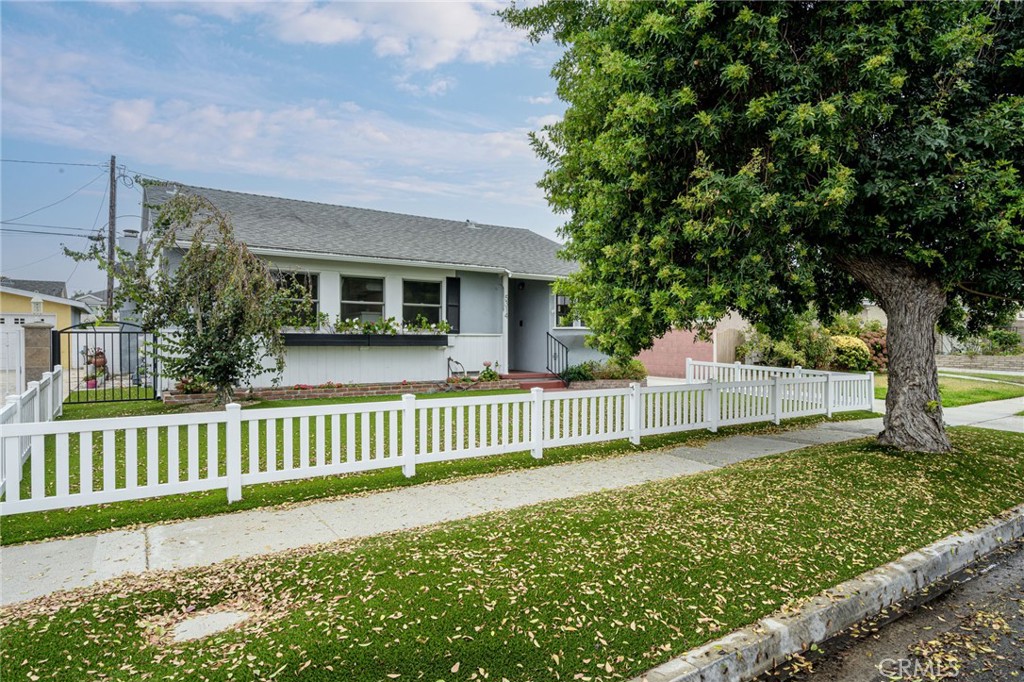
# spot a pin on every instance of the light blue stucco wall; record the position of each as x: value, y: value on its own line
x: 481, y: 306
x: 528, y: 324
x: 574, y: 341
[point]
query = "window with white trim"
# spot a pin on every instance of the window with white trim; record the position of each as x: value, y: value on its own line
x: 421, y: 298
x: 362, y: 298
x: 564, y: 316
x: 301, y: 281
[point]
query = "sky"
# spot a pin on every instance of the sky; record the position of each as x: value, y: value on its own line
x: 413, y: 107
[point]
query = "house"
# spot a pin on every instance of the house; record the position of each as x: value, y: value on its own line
x: 24, y: 301
x: 491, y: 284
x: 28, y: 301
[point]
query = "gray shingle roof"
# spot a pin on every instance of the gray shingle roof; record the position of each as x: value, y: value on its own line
x: 306, y: 226
x: 39, y: 286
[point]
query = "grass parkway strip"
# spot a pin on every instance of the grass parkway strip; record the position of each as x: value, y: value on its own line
x: 600, y: 587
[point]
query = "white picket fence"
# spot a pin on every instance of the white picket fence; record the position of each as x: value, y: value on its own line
x: 85, y: 462
x: 40, y: 402
x: 12, y: 359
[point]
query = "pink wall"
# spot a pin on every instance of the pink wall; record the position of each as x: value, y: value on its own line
x: 668, y: 356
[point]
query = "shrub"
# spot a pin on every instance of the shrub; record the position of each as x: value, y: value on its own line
x: 877, y: 346
x: 632, y: 369
x: 851, y: 353
x: 1002, y: 342
x: 845, y: 324
x: 805, y: 344
x: 581, y: 372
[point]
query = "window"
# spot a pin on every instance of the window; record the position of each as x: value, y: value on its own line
x: 421, y: 298
x: 301, y: 281
x: 563, y: 313
x: 362, y: 298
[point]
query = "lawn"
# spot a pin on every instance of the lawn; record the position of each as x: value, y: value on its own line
x: 594, y: 588
x: 63, y: 522
x: 957, y: 392
x: 1007, y: 378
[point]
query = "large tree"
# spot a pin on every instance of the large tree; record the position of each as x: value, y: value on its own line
x: 218, y: 307
x: 775, y: 157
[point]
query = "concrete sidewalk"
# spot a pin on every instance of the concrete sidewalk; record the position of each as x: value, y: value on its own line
x: 37, y: 569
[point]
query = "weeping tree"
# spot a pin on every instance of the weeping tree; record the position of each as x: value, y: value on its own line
x: 777, y: 157
x: 221, y: 306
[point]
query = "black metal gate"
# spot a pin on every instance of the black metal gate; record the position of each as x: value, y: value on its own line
x: 108, y: 362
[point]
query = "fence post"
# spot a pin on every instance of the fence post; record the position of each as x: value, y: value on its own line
x: 409, y: 435
x: 636, y: 406
x: 737, y: 371
x: 689, y: 370
x: 713, y: 407
x: 537, y: 422
x: 871, y: 392
x: 33, y: 388
x: 799, y: 371
x: 776, y: 400
x: 233, y: 437
x: 12, y: 457
x: 828, y: 395
x: 58, y: 390
x: 46, y: 397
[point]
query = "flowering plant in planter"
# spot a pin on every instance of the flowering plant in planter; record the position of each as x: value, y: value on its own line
x: 488, y: 373
x: 423, y: 326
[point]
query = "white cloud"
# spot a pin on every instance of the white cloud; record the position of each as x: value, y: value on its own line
x: 543, y: 99
x: 423, y: 35
x: 541, y: 121
x: 435, y: 87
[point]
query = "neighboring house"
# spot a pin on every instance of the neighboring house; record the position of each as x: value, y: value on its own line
x: 667, y: 357
x: 95, y: 300
x: 27, y: 301
x: 23, y: 301
x: 491, y: 284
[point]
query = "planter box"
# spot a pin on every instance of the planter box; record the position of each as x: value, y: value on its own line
x: 298, y: 339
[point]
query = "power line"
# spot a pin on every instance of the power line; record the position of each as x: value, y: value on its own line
x: 26, y: 265
x: 66, y: 227
x: 56, y: 227
x: 55, y: 234
x: 55, y: 163
x: 25, y: 215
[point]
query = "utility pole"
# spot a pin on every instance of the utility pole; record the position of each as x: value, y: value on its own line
x: 111, y: 235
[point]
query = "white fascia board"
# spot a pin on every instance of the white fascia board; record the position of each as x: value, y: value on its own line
x: 46, y: 297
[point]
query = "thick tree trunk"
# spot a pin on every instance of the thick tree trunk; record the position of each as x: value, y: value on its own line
x: 912, y: 304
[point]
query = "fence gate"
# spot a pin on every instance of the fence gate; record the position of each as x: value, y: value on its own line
x: 109, y: 362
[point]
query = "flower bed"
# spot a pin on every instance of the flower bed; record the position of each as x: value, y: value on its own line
x: 301, y: 391
x: 598, y: 384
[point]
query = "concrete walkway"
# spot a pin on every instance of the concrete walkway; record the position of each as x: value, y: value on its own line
x: 37, y: 569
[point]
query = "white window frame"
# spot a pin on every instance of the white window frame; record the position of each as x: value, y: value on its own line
x: 383, y: 293
x: 422, y: 280
x: 312, y: 273
x: 576, y: 324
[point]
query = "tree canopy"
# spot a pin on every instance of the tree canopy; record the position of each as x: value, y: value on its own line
x: 219, y: 309
x: 770, y: 157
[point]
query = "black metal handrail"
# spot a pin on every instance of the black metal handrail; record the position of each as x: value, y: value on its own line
x: 558, y: 356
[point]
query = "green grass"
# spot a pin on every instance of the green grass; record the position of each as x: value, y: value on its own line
x: 1007, y: 378
x: 110, y: 393
x: 64, y: 522
x: 958, y: 392
x: 598, y: 587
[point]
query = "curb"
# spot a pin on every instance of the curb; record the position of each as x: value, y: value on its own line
x: 746, y: 653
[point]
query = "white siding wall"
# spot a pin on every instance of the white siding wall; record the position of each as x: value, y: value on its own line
x: 482, y: 309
